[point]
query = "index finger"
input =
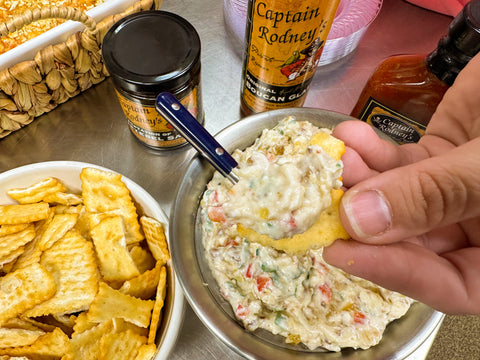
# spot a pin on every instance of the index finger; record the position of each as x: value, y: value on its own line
x: 378, y: 154
x: 447, y: 282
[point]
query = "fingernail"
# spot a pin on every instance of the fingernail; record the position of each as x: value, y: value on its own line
x: 368, y: 212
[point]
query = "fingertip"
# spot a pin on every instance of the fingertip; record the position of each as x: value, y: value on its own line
x: 377, y: 153
x: 350, y: 129
x: 354, y: 168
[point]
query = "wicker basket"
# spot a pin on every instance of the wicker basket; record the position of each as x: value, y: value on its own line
x: 58, y: 72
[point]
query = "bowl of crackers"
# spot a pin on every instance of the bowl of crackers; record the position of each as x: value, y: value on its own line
x: 270, y: 298
x: 85, y: 267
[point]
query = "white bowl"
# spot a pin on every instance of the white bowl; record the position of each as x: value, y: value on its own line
x: 69, y: 173
x: 401, y: 338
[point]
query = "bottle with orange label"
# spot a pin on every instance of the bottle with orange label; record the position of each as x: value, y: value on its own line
x: 284, y: 41
x: 403, y: 92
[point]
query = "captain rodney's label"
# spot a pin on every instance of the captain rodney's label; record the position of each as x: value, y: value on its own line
x: 149, y: 126
x: 399, y: 127
x: 285, y: 39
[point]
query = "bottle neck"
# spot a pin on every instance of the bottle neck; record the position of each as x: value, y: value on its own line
x: 446, y: 62
x: 460, y: 44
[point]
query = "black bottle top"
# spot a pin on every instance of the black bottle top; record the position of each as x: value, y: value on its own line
x: 461, y: 43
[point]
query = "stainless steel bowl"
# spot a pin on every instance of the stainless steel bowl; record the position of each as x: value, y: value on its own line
x: 402, y: 337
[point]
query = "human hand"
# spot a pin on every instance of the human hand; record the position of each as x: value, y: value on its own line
x: 414, y: 210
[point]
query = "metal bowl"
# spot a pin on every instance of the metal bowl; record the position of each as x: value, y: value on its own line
x: 69, y: 173
x: 401, y: 338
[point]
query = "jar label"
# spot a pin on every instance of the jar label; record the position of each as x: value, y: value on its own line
x: 399, y: 127
x: 285, y: 39
x: 152, y: 128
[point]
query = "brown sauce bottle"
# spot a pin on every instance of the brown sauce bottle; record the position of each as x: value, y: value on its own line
x: 403, y: 93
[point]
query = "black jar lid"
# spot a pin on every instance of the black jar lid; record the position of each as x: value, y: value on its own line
x: 151, y: 51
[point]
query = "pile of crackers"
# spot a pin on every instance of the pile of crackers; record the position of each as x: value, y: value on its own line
x: 82, y: 276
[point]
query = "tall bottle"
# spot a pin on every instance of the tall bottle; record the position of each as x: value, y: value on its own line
x: 283, y: 43
x: 403, y: 92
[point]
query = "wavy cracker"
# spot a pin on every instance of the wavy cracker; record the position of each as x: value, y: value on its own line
x: 22, y: 289
x: 104, y: 192
x: 71, y: 261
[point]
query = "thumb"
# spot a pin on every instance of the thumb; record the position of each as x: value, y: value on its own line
x: 414, y: 199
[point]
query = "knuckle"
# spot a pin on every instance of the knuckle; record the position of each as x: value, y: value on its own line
x: 442, y: 197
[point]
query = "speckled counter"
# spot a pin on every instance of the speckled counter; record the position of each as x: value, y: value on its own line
x: 457, y: 338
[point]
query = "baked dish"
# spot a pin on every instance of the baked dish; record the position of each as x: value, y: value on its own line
x: 10, y: 8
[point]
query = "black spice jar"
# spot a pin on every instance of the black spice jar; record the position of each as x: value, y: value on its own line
x: 147, y: 53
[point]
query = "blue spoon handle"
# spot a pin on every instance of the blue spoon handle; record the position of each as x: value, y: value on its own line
x: 184, y: 122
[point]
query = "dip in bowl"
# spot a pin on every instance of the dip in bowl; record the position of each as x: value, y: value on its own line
x: 401, y: 338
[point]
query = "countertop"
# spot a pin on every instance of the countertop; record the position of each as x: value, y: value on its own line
x: 92, y: 128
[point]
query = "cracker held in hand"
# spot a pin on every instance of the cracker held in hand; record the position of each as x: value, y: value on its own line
x: 327, y: 228
x: 324, y: 231
x: 104, y: 192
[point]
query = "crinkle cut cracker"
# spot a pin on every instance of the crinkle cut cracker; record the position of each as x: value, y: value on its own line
x: 51, y: 345
x: 104, y: 191
x: 156, y: 239
x: 12, y: 229
x: 71, y: 261
x: 159, y: 303
x: 144, y: 286
x: 13, y: 337
x: 37, y: 192
x: 22, y: 289
x: 109, y: 303
x: 56, y: 229
x: 23, y: 213
x: 115, y: 261
x: 142, y: 257
x: 10, y: 243
x: 85, y: 344
x: 323, y: 232
x: 123, y: 345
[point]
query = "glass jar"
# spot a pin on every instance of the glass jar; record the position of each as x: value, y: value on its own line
x: 147, y: 53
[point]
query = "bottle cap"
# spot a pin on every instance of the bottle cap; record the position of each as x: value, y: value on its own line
x: 461, y: 43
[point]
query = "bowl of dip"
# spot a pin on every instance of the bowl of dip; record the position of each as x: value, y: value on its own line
x: 401, y: 338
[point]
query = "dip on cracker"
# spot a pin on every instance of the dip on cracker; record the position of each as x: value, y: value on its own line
x: 285, y: 180
x: 264, y: 239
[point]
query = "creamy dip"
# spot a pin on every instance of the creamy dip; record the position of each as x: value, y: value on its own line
x: 284, y: 182
x: 297, y: 296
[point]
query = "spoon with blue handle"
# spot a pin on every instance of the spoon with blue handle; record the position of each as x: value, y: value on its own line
x: 185, y: 123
